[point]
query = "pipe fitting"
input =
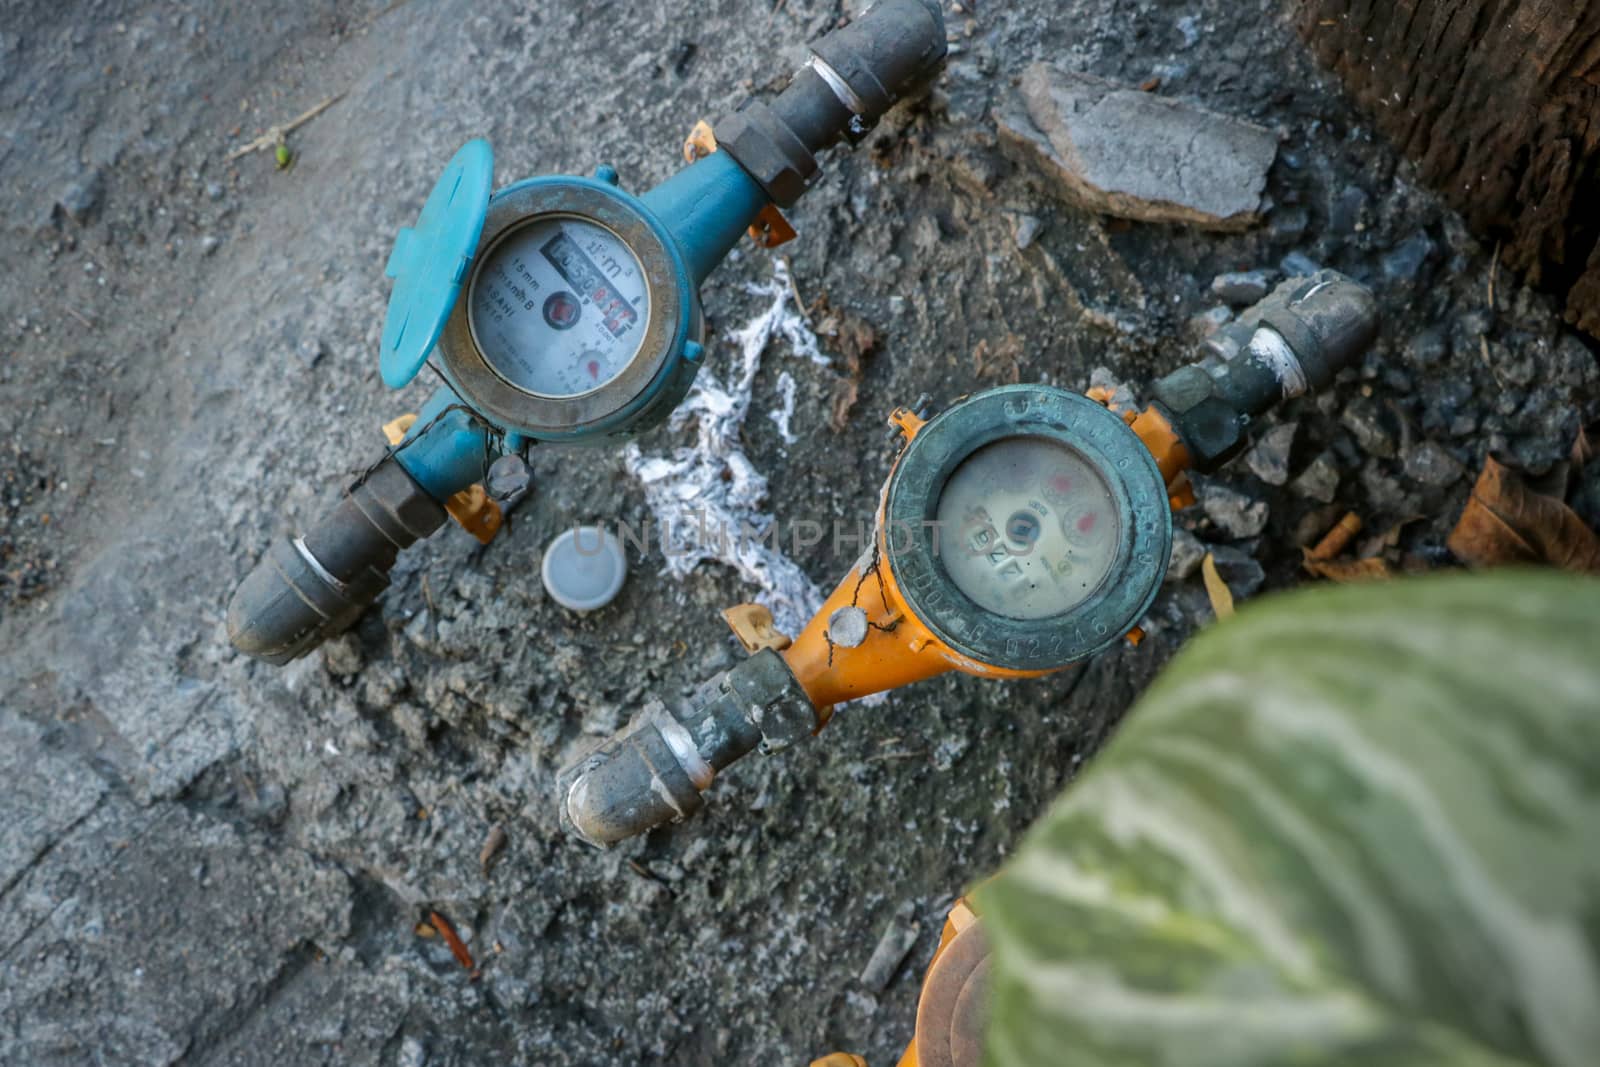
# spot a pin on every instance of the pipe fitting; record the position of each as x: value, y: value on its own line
x: 1305, y: 333
x: 655, y: 769
x: 308, y: 588
x: 854, y: 75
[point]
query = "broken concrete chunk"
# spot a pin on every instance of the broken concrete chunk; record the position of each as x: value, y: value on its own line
x: 1430, y: 463
x: 891, y: 951
x: 1241, y: 288
x: 1187, y: 552
x: 1026, y: 229
x: 1369, y: 425
x: 1320, y: 480
x: 1236, y: 514
x: 1269, y: 459
x: 1135, y: 155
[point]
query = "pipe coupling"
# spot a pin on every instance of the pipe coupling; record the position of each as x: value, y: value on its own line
x: 854, y: 75
x: 655, y: 769
x: 1301, y: 336
x: 308, y: 588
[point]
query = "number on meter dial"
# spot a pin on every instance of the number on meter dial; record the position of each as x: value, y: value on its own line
x: 559, y: 307
x: 1027, y: 528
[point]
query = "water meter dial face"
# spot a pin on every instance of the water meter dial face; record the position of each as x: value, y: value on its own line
x: 1028, y: 528
x: 558, y: 306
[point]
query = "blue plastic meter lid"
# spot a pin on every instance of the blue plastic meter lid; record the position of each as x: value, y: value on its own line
x: 430, y: 261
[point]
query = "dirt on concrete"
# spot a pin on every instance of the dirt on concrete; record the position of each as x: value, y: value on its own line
x: 207, y: 860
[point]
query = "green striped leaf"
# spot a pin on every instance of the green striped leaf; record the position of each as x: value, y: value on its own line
x: 1353, y: 825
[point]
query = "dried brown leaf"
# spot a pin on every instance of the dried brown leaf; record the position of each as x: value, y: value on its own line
x: 852, y: 339
x: 1583, y: 449
x: 1217, y: 589
x: 1506, y: 521
x: 1349, y: 570
x: 1386, y: 542
x: 458, y: 947
x: 491, y: 848
x: 1001, y: 361
x: 849, y: 336
x: 845, y: 393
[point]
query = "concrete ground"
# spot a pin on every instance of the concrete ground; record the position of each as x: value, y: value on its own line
x: 211, y: 861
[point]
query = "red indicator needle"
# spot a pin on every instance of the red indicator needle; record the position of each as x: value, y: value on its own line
x: 594, y: 369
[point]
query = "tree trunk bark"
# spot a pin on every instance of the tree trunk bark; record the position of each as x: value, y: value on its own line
x: 1498, y: 103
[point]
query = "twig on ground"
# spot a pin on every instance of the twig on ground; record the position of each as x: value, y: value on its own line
x: 274, y: 135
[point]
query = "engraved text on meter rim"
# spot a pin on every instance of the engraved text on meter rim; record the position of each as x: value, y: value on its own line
x: 559, y: 307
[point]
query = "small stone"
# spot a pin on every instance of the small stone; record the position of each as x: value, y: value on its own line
x: 208, y: 244
x: 1384, y: 494
x: 891, y: 951
x: 1123, y: 398
x: 1432, y: 464
x: 1206, y: 323
x: 214, y: 190
x: 1288, y: 223
x: 1026, y: 229
x: 948, y: 752
x: 1367, y: 424
x: 1238, y: 515
x: 1320, y: 480
x: 1463, y: 426
x: 1467, y: 331
x: 1269, y: 459
x: 342, y: 656
x: 81, y: 199
x: 1348, y: 209
x: 1575, y: 364
x: 412, y: 722
x: 267, y: 803
x: 1315, y: 523
x: 1189, y: 29
x: 1519, y: 372
x: 412, y: 1054
x: 1187, y: 552
x: 1428, y: 347
x: 1397, y: 382
x: 1241, y: 288
x: 1403, y: 263
x: 1238, y: 570
x: 309, y: 349
x: 1299, y: 265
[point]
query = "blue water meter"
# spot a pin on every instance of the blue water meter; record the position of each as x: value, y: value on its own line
x: 563, y: 309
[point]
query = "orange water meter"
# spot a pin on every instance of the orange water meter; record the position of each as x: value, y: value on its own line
x: 1020, y: 530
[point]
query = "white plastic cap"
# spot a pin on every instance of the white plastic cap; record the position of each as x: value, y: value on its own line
x: 583, y: 568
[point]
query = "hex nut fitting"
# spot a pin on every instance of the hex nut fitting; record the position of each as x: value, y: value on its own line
x: 306, y: 589
x: 653, y: 771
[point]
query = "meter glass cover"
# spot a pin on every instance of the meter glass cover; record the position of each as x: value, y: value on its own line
x: 559, y: 307
x: 1027, y: 528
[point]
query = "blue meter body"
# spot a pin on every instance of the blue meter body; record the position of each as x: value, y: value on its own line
x: 560, y: 308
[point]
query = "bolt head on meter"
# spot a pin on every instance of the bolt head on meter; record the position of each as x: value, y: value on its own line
x: 560, y: 307
x: 1027, y: 527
